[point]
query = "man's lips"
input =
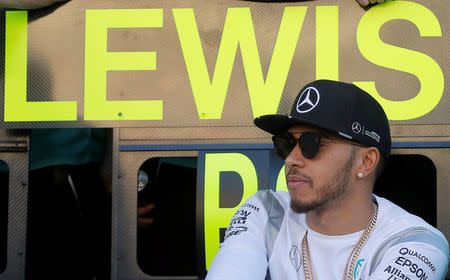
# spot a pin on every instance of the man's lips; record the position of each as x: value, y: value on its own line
x: 295, y: 181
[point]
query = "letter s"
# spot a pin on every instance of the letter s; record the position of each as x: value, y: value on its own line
x: 418, y: 64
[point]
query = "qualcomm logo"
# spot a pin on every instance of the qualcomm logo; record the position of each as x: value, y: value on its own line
x: 308, y: 100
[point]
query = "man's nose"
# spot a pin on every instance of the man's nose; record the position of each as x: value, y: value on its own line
x: 295, y: 158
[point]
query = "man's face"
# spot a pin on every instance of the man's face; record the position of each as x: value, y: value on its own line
x: 316, y: 182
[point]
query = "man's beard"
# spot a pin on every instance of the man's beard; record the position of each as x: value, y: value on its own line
x: 328, y: 192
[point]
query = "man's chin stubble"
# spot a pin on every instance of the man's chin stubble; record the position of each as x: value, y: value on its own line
x: 303, y: 207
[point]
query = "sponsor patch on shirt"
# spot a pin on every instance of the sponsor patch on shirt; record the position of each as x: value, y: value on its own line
x: 409, y: 264
x: 237, y: 224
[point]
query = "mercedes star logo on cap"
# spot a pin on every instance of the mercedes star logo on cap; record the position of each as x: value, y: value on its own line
x: 308, y: 100
x: 356, y: 127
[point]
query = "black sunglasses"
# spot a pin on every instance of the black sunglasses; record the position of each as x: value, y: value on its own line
x: 309, y: 143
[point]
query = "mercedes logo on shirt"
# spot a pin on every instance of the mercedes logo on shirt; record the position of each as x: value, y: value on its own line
x: 308, y: 100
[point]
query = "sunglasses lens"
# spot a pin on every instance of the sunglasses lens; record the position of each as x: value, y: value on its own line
x: 309, y: 144
x: 283, y: 145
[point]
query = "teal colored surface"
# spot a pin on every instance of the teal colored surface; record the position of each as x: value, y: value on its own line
x: 4, y: 166
x: 66, y: 146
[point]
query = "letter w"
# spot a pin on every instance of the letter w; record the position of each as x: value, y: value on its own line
x: 238, y: 29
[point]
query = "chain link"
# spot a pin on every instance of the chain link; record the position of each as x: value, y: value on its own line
x: 348, y: 271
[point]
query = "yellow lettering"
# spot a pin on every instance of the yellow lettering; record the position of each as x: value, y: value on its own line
x: 16, y: 107
x: 238, y: 30
x: 422, y: 66
x: 215, y: 217
x: 98, y: 61
x: 327, y: 42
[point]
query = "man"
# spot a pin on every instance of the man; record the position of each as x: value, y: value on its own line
x: 330, y: 225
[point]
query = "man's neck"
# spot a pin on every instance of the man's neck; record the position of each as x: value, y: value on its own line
x: 341, y: 217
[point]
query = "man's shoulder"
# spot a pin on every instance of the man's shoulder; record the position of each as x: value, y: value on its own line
x: 398, y: 225
x: 398, y: 234
x: 269, y: 198
x: 393, y: 216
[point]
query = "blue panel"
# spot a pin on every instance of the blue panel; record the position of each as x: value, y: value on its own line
x: 195, y: 147
x: 437, y: 144
x: 202, y: 147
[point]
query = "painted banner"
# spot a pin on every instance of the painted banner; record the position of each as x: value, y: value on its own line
x: 202, y: 63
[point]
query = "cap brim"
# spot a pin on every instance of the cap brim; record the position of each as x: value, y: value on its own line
x: 279, y: 124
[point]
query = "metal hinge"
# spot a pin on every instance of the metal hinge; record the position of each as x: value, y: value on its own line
x: 11, y: 146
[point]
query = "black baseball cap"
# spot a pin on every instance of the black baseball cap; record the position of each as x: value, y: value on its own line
x: 340, y: 108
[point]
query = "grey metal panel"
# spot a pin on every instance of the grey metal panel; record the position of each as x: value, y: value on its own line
x: 125, y: 169
x: 17, y: 207
x: 424, y: 132
x: 211, y: 133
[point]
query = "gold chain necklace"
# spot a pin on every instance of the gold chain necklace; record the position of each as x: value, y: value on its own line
x: 306, y: 257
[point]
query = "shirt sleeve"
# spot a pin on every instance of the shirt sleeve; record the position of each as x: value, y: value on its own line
x: 414, y: 261
x: 242, y: 255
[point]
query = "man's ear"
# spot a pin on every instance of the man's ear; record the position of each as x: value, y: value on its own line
x: 369, y: 160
